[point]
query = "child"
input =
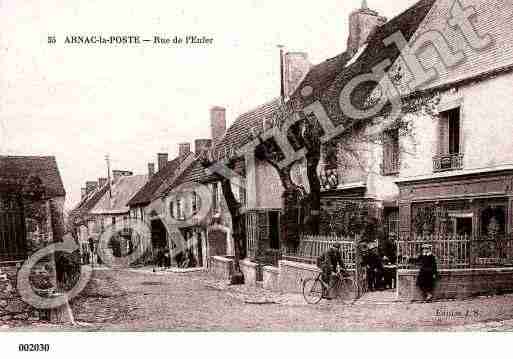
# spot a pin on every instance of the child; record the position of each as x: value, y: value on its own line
x: 428, y: 272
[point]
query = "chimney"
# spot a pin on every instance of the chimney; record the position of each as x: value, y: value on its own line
x: 362, y: 23
x: 151, y: 170
x: 162, y: 160
x: 83, y: 192
x: 184, y: 149
x: 201, y: 145
x: 295, y: 69
x: 91, y: 186
x: 217, y: 123
x: 116, y: 174
x: 102, y: 181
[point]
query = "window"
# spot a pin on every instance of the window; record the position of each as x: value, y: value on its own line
x: 172, y: 209
x: 449, y: 136
x: 215, y: 198
x: 450, y: 156
x: 178, y: 209
x: 194, y: 203
x: 391, y: 152
x: 242, y: 192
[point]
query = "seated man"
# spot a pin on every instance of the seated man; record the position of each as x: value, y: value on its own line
x: 329, y: 262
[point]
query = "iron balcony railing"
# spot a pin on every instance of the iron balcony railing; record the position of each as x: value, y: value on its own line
x: 448, y: 162
x: 391, y: 165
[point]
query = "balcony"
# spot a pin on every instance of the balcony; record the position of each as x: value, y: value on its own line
x: 391, y: 165
x: 449, y: 162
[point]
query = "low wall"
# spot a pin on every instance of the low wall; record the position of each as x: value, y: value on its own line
x: 271, y: 276
x: 292, y: 274
x: 457, y: 283
x: 11, y: 304
x: 252, y: 272
x: 221, y: 267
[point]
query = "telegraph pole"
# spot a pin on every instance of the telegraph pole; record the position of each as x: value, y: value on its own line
x: 107, y: 158
x: 282, y: 76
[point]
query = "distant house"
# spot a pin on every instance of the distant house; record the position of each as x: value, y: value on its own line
x: 106, y: 205
x: 140, y: 204
x: 31, y: 206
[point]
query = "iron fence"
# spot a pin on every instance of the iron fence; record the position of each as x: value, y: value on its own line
x: 458, y: 251
x: 311, y: 247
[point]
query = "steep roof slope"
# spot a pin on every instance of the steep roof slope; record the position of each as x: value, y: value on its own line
x: 239, y: 132
x: 20, y: 168
x: 147, y: 192
x: 123, y: 189
x: 493, y: 18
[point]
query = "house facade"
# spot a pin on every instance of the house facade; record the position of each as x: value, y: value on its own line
x: 105, y: 204
x: 32, y: 198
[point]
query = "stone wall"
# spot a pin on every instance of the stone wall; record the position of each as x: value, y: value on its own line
x: 271, y: 276
x: 252, y: 272
x: 292, y: 274
x: 221, y: 267
x: 12, y: 307
x: 458, y: 283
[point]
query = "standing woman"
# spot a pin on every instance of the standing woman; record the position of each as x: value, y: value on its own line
x: 428, y: 273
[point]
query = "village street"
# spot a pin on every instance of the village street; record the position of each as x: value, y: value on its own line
x: 135, y: 301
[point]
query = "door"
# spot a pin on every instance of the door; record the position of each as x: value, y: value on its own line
x: 12, y: 228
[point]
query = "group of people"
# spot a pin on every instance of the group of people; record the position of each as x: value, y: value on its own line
x: 380, y: 271
x: 378, y: 274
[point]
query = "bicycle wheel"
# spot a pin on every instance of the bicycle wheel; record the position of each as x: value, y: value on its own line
x: 348, y: 290
x: 312, y: 290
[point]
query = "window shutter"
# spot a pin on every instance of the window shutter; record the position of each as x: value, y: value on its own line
x: 443, y: 134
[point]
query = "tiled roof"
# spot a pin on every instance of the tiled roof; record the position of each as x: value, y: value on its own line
x: 493, y: 18
x: 20, y: 168
x: 239, y: 133
x: 329, y: 79
x: 123, y: 189
x: 322, y: 75
x: 169, y: 182
x: 88, y: 202
x: 148, y: 191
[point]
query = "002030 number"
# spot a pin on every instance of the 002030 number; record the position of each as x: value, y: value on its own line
x: 34, y: 347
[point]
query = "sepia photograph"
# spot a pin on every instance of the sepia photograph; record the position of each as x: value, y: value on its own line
x: 254, y: 166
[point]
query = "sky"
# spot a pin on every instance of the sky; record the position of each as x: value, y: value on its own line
x: 81, y: 102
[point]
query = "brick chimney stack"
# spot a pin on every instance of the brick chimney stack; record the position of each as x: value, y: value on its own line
x: 184, y: 149
x: 90, y: 186
x: 217, y: 123
x: 162, y: 160
x: 362, y: 23
x: 151, y: 169
x: 295, y: 69
x: 201, y: 145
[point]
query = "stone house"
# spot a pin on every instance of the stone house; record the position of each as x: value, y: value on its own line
x: 442, y: 171
x: 32, y: 198
x: 146, y: 204
x: 105, y: 204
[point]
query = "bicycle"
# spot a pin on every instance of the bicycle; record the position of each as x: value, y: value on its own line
x: 344, y: 287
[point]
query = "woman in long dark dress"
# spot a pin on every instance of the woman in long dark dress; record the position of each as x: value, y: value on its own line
x: 428, y: 272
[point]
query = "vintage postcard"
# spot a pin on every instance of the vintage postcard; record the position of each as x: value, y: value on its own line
x: 255, y: 166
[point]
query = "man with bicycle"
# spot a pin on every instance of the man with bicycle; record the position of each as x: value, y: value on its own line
x: 331, y: 263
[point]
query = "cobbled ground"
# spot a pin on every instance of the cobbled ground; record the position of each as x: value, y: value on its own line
x: 128, y: 300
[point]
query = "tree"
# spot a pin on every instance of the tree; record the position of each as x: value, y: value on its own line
x: 238, y: 219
